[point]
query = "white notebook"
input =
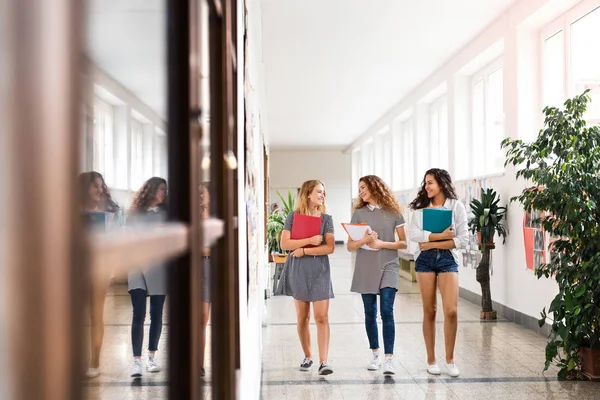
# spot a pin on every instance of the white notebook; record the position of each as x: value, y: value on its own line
x: 357, y: 232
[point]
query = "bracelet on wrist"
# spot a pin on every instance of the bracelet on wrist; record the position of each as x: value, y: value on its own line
x: 303, y: 251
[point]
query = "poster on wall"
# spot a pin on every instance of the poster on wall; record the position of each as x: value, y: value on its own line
x: 251, y: 197
x: 467, y: 191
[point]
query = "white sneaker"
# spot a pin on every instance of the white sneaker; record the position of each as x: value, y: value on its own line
x: 433, y: 369
x: 388, y: 366
x: 452, y: 370
x: 136, y: 369
x: 151, y: 365
x: 92, y: 373
x: 375, y: 362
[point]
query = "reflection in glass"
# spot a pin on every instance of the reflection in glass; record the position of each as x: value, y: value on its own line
x: 126, y: 143
x: 98, y: 210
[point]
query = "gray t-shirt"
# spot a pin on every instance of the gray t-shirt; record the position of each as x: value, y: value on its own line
x: 376, y: 269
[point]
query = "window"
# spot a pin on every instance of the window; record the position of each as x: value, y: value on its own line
x: 382, y: 156
x: 103, y: 140
x: 570, y: 61
x: 438, y: 134
x: 367, y: 157
x: 487, y: 125
x: 137, y: 155
x: 403, y: 161
x: 160, y: 155
x: 553, y: 87
x: 356, y: 173
x: 585, y: 61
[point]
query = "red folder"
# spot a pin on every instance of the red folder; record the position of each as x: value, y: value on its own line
x: 304, y: 227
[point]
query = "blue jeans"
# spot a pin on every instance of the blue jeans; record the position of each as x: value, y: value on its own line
x: 138, y: 301
x: 436, y: 260
x: 387, y: 296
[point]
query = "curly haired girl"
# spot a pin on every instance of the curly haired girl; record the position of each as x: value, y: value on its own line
x: 376, y: 269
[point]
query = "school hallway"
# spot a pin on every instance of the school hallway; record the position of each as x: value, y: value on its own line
x: 497, y: 360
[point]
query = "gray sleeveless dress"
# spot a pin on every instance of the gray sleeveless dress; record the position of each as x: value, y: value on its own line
x: 375, y: 270
x: 307, y: 278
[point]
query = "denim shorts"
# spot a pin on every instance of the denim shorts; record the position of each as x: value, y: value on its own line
x: 436, y: 260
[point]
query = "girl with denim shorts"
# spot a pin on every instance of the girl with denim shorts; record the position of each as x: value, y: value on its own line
x: 436, y: 262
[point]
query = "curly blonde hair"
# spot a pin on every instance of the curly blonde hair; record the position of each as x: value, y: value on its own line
x: 304, y: 192
x: 381, y: 193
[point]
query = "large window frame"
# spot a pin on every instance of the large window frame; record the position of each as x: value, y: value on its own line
x: 103, y: 159
x: 562, y: 29
x: 403, y: 175
x: 137, y: 173
x: 487, y: 120
x: 438, y: 133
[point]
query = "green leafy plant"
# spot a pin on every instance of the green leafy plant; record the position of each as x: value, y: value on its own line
x: 487, y: 219
x: 563, y: 166
x: 288, y: 204
x: 276, y: 221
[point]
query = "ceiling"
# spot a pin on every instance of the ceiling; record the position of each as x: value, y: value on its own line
x: 126, y: 39
x: 332, y: 68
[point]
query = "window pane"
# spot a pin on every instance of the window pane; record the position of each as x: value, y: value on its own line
x: 478, y: 128
x: 585, y: 59
x: 397, y: 151
x: 407, y: 156
x: 378, y: 154
x: 355, y: 171
x: 387, y: 158
x: 494, y: 123
x: 434, y: 125
x: 103, y: 141
x: 367, y: 151
x: 554, y: 70
x: 443, y: 136
x: 137, y: 154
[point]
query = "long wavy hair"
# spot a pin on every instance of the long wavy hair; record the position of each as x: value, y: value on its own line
x: 86, y: 180
x: 147, y: 194
x: 381, y: 193
x: 443, y: 179
x: 302, y: 206
x: 204, y: 185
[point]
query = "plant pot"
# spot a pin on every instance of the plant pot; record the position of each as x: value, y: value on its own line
x: 280, y: 258
x: 590, y: 362
x: 489, y: 245
x: 491, y: 315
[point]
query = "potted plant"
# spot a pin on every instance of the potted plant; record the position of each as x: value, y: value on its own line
x: 487, y: 219
x: 562, y: 165
x: 275, y: 223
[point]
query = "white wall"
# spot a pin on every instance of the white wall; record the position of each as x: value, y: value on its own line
x: 252, y: 302
x: 515, y: 36
x: 289, y: 169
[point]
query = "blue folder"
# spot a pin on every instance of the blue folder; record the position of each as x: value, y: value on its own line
x: 436, y: 220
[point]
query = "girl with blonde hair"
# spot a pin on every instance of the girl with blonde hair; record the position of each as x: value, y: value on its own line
x: 306, y: 275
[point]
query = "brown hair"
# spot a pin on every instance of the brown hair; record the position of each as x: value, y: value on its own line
x: 305, y: 191
x: 443, y: 179
x: 87, y: 179
x: 381, y: 193
x: 146, y: 195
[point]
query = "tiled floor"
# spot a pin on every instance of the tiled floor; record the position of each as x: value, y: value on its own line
x: 498, y: 360
x: 114, y: 382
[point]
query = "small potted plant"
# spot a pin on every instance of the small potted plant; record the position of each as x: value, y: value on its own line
x: 562, y: 165
x: 275, y: 223
x: 487, y: 220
